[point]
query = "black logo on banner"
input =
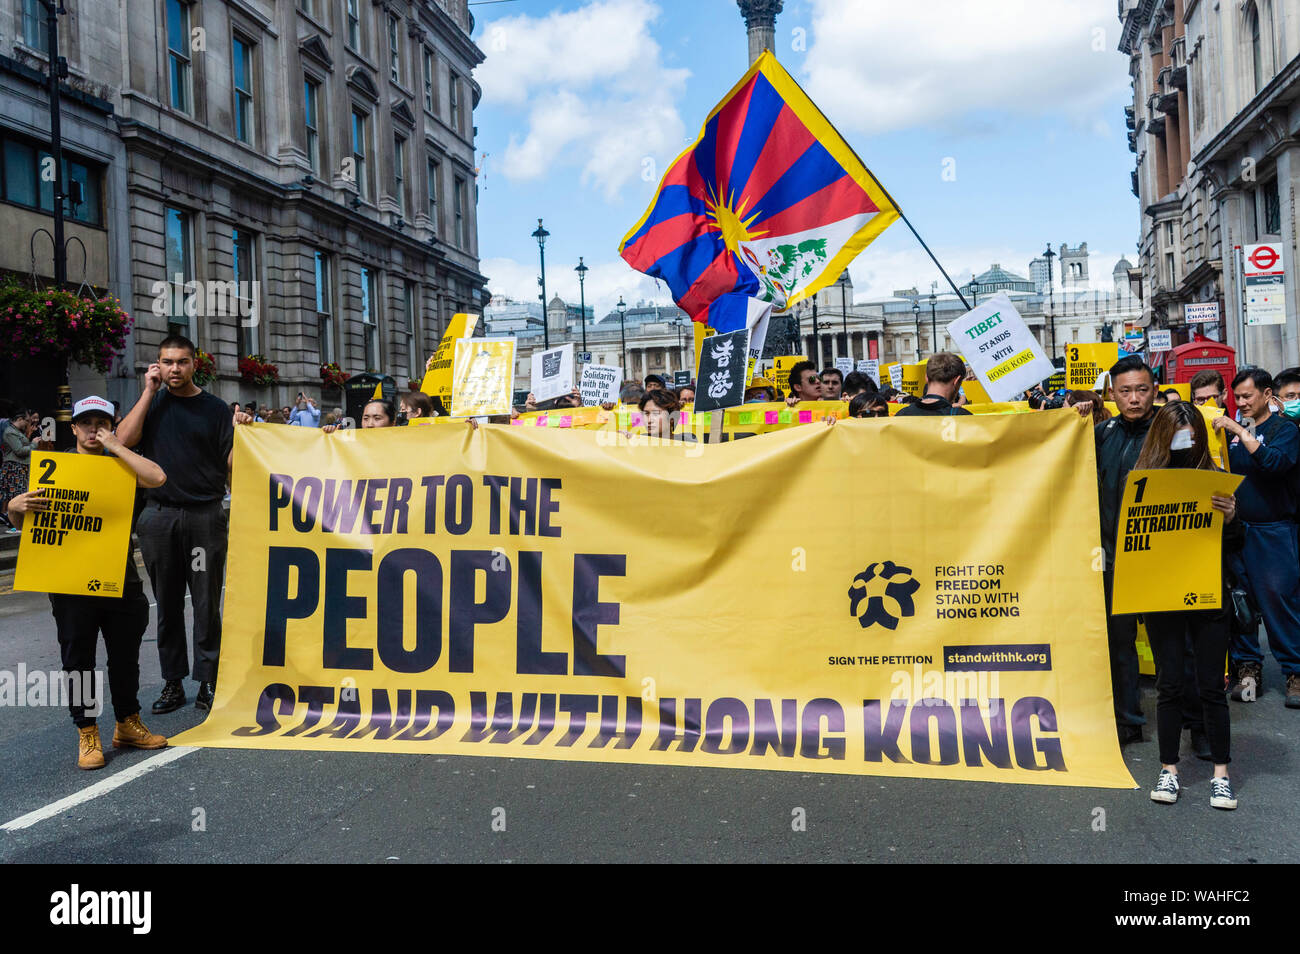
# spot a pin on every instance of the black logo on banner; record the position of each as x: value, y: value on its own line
x: 882, y: 593
x: 551, y: 364
x: 1189, y: 599
x: 93, y: 586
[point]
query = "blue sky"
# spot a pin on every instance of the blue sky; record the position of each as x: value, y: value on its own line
x: 1020, y: 102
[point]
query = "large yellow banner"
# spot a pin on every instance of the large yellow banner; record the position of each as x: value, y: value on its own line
x: 559, y: 594
x: 80, y: 544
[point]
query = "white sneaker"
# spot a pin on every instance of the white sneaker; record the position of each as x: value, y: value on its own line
x: 1221, y: 794
x: 1166, y: 790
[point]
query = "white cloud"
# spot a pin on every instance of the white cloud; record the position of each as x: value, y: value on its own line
x: 590, y: 89
x: 605, y: 282
x: 878, y: 67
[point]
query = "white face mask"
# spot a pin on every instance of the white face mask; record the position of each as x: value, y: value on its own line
x: 1182, y: 440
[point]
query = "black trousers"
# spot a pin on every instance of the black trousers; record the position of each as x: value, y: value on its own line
x: 185, y: 548
x: 80, y: 620
x: 1209, y: 635
x: 1121, y: 635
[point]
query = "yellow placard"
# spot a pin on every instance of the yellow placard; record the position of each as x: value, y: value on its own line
x: 437, y: 376
x: 483, y: 593
x: 483, y: 376
x: 1169, y: 544
x: 80, y: 544
x: 1184, y: 389
x: 886, y: 379
x: 914, y: 379
x: 781, y: 370
x: 1218, y: 439
x: 1084, y: 362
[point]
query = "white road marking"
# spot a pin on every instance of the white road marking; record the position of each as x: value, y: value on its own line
x: 98, y: 789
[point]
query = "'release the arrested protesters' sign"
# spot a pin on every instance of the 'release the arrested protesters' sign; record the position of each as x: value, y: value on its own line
x: 433, y: 590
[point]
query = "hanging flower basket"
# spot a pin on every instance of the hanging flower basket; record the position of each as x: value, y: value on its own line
x: 54, y: 323
x: 255, y: 369
x: 332, y: 376
x: 205, y: 368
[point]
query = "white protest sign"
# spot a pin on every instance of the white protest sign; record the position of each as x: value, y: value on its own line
x: 844, y: 366
x: 896, y: 376
x: 552, y: 372
x: 600, y: 384
x: 871, y: 368
x: 1000, y: 349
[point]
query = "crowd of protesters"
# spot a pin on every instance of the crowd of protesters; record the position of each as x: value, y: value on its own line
x: 182, y: 438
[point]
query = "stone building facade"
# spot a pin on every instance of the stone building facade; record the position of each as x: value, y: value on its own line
x: 289, y: 179
x: 1215, y: 126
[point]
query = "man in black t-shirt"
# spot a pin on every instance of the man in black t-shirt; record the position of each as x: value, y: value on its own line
x: 182, y: 529
x: 944, y: 373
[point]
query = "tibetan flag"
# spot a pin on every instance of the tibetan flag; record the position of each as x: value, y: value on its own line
x: 769, y: 202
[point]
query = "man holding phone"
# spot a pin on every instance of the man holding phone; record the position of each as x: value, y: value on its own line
x: 305, y: 413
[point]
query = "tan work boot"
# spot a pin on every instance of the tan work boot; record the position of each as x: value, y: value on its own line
x: 133, y: 734
x: 90, y: 751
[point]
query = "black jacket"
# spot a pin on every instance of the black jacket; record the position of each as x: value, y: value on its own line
x: 1119, y: 442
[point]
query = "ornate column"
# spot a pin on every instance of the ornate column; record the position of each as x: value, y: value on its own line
x: 760, y: 22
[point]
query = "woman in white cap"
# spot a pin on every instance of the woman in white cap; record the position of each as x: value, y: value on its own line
x: 122, y: 620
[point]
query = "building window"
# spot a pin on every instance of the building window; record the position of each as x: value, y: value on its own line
x: 369, y: 320
x: 360, y: 136
x: 23, y: 185
x: 428, y: 78
x: 309, y: 7
x: 434, y: 170
x: 242, y: 67
x: 1169, y: 268
x: 453, y: 93
x: 399, y: 173
x: 394, y: 50
x: 354, y: 25
x: 459, y: 199
x: 415, y: 366
x: 1272, y: 209
x: 310, y: 104
x: 1256, y: 46
x: 324, y: 308
x: 245, y: 290
x: 178, y: 55
x: 34, y: 34
x: 179, y: 261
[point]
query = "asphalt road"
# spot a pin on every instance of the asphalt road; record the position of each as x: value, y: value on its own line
x: 306, y: 807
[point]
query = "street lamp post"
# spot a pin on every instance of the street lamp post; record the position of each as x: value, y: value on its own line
x: 581, y: 269
x: 916, y: 313
x: 816, y: 342
x: 1051, y: 303
x: 58, y: 70
x: 934, y: 327
x: 540, y: 234
x: 622, y: 333
x: 680, y: 356
x: 844, y: 314
x: 975, y: 292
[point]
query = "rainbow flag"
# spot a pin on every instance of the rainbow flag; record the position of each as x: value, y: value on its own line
x: 769, y: 202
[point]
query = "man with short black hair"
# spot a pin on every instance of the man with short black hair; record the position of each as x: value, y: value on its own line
x: 804, y: 383
x: 1264, y: 451
x: 654, y: 382
x: 832, y: 384
x: 1208, y: 386
x: 944, y: 373
x: 857, y: 383
x: 183, y: 527
x: 1119, y: 442
x: 1286, y: 387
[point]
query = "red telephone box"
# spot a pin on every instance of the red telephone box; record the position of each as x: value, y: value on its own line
x: 1188, y: 360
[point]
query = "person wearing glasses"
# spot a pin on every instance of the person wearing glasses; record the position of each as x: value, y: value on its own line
x: 1208, y: 386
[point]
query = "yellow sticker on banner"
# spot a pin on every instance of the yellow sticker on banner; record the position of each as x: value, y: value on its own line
x: 483, y: 376
x: 437, y: 377
x: 80, y: 544
x: 1169, y: 545
x: 1084, y: 363
x: 484, y: 593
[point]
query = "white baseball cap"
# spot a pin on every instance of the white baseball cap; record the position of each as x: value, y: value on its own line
x: 92, y: 405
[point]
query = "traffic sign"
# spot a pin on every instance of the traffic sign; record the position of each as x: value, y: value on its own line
x: 1265, y: 288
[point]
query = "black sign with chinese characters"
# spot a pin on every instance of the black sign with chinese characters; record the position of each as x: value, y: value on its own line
x: 723, y: 365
